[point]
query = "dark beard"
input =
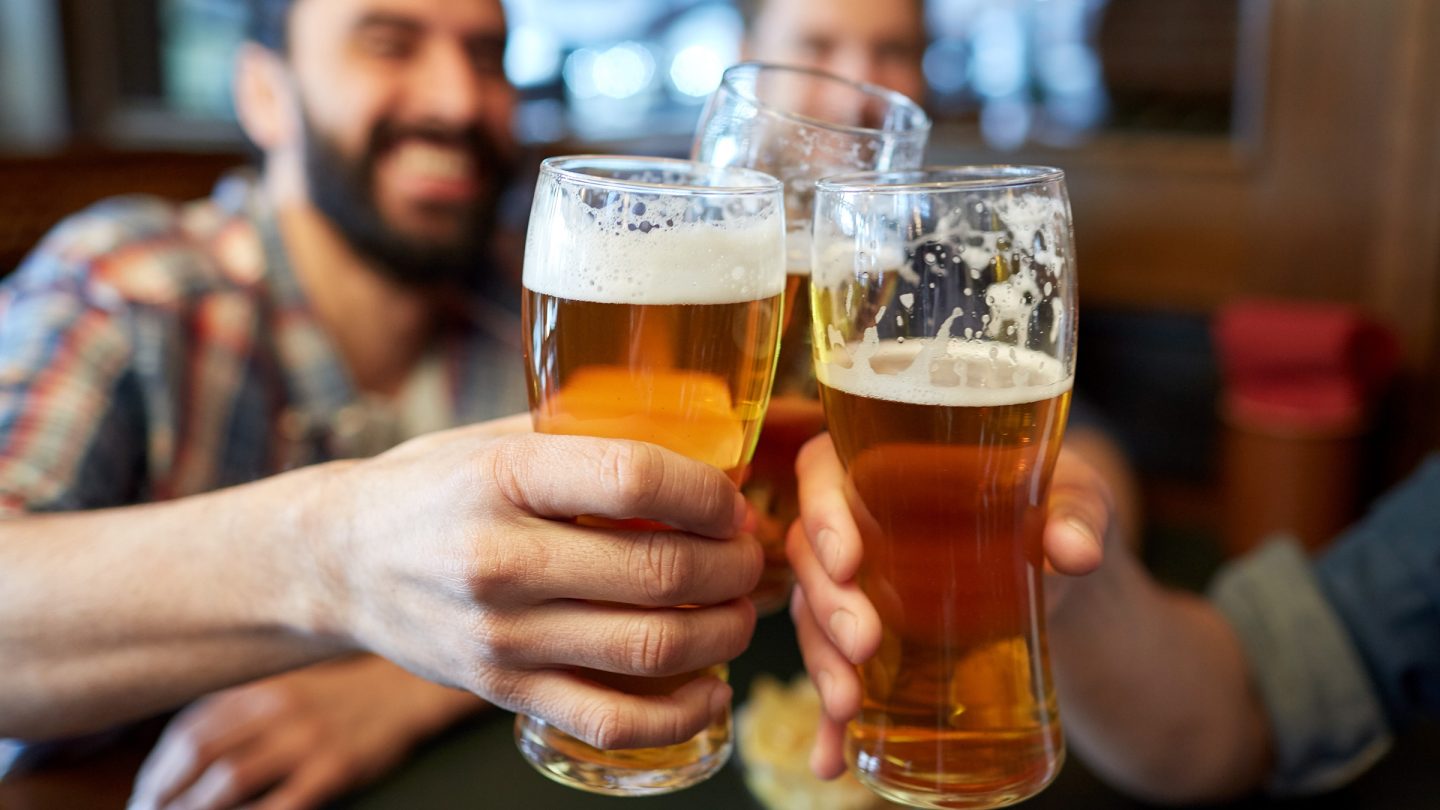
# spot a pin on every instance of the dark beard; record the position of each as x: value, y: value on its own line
x: 344, y: 191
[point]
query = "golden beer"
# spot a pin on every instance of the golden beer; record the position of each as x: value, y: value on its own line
x: 949, y: 485
x: 652, y: 310
x: 693, y: 378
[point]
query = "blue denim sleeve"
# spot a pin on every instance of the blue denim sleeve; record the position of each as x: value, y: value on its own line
x: 1327, y: 725
x: 1383, y: 579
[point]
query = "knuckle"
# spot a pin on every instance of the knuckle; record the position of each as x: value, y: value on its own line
x: 630, y: 473
x: 603, y: 724
x: 500, y: 567
x: 493, y: 638
x: 503, y: 462
x: 664, y: 569
x: 229, y: 778
x: 654, y: 647
x: 503, y: 688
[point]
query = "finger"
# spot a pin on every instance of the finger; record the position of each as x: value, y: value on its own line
x: 612, y: 638
x: 1081, y: 514
x: 566, y: 476
x: 1071, y: 545
x: 834, y: 677
x: 192, y: 741
x: 649, y: 568
x: 842, y: 610
x: 319, y: 779
x: 827, y: 757
x: 824, y: 510
x: 247, y: 771
x: 609, y: 719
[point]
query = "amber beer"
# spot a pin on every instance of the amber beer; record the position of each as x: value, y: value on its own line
x: 949, y: 483
x: 652, y: 310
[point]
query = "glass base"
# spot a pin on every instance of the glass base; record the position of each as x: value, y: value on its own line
x: 957, y: 792
x: 629, y: 772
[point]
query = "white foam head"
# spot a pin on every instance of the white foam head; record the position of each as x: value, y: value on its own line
x: 666, y: 258
x: 949, y: 372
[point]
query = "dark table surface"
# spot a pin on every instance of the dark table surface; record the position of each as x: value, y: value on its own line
x: 475, y: 765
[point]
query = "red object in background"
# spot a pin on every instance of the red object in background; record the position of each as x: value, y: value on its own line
x: 1300, y: 384
x: 1302, y: 366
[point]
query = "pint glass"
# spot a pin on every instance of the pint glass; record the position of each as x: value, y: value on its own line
x: 799, y: 125
x: 944, y: 328
x: 651, y: 311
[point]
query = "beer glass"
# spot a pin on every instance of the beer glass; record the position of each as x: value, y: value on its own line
x: 799, y: 125
x: 944, y: 329
x: 651, y: 311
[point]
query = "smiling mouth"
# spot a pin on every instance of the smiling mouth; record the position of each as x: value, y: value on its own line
x: 436, y: 163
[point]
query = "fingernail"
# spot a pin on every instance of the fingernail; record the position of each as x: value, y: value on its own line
x: 823, y: 681
x: 827, y: 548
x: 719, y: 700
x: 1084, y: 529
x: 842, y: 630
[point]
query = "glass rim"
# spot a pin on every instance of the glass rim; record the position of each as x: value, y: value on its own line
x: 940, y: 178
x: 727, y: 81
x: 749, y: 181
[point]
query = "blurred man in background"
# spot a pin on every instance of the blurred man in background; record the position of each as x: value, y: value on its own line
x: 326, y: 309
x: 878, y: 43
x: 884, y: 44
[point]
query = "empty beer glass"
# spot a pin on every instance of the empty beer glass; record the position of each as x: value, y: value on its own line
x: 799, y: 125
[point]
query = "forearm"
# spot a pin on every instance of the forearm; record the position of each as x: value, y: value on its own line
x: 1154, y: 688
x: 115, y: 614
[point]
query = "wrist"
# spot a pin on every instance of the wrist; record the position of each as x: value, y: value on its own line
x: 315, y: 532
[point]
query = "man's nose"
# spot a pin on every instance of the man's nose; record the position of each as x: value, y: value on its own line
x: 855, y: 63
x: 445, y: 86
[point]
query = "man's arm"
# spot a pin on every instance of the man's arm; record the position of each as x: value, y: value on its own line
x: 455, y: 555
x: 114, y: 614
x: 1154, y: 687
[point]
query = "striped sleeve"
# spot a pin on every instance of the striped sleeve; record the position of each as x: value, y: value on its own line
x: 70, y: 428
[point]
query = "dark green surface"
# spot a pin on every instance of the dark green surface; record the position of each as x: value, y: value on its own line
x: 477, y: 766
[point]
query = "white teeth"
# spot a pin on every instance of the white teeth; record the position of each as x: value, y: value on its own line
x: 433, y: 161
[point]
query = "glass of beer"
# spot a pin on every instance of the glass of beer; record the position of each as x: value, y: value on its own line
x: 944, y: 317
x: 651, y: 311
x: 799, y: 125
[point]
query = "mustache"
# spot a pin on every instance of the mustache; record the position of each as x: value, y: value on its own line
x: 481, y: 146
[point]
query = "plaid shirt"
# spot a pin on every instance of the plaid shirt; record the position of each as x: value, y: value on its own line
x: 149, y: 351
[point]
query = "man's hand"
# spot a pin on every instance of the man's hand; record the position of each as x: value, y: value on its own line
x: 296, y: 740
x: 836, y: 624
x: 459, y: 556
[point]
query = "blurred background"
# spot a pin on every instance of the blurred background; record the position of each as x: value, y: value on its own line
x: 1218, y: 150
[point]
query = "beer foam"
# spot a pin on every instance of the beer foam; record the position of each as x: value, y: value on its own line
x: 950, y: 372
x: 663, y: 260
